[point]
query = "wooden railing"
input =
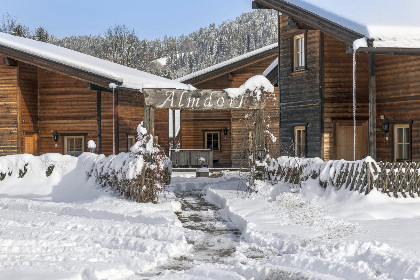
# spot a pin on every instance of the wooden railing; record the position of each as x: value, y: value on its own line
x: 395, y: 179
x: 191, y: 157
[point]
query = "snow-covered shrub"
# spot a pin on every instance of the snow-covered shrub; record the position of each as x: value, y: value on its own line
x: 139, y: 175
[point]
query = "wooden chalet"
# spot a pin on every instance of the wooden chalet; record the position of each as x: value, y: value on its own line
x: 54, y: 100
x: 316, y: 43
x: 229, y: 133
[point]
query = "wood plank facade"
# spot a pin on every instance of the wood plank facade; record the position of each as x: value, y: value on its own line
x: 320, y: 95
x: 235, y: 145
x: 36, y: 102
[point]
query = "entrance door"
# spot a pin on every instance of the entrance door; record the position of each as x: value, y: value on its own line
x: 31, y: 143
x: 344, y: 140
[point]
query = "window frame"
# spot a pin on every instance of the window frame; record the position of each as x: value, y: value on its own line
x: 396, y: 143
x: 128, y: 141
x: 295, y: 142
x: 219, y: 139
x: 66, y: 137
x: 298, y: 68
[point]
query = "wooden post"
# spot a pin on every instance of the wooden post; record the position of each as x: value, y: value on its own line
x: 173, y: 130
x: 149, y: 120
x: 259, y: 131
x: 99, y: 121
x: 372, y: 106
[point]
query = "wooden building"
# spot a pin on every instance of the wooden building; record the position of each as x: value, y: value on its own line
x: 54, y: 100
x: 229, y: 132
x: 316, y: 45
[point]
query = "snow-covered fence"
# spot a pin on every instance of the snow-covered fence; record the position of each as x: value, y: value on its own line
x: 392, y: 178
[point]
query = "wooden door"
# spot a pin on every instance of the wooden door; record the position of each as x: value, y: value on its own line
x: 31, y: 143
x: 344, y: 140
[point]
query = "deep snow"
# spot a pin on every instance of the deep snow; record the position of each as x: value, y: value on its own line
x: 66, y: 227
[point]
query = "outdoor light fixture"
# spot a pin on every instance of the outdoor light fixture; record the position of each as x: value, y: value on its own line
x: 385, y: 125
x: 225, y: 131
x: 55, y: 134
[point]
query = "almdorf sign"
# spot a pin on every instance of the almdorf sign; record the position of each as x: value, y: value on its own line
x: 199, y: 100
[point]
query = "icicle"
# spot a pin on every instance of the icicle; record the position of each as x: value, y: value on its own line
x: 354, y: 105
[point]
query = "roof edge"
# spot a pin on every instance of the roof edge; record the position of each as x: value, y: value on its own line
x: 329, y: 27
x: 228, y: 65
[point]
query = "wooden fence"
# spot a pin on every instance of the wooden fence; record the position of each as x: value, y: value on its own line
x: 395, y: 179
x: 191, y: 157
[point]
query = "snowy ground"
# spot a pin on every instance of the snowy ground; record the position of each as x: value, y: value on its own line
x: 205, y: 228
x: 68, y: 228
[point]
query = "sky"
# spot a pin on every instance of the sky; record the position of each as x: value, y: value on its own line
x: 150, y: 19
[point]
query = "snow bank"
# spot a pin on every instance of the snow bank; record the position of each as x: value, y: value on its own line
x: 254, y: 86
x: 298, y: 232
x: 66, y: 226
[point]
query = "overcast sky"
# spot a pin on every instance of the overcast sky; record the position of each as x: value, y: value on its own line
x: 150, y: 18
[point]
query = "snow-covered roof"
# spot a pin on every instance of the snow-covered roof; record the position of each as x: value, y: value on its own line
x: 390, y: 23
x: 227, y: 63
x: 272, y: 66
x: 125, y: 76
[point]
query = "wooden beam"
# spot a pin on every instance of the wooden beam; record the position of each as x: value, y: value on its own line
x: 333, y: 29
x: 99, y: 121
x: 117, y: 123
x: 7, y: 61
x: 149, y: 119
x: 372, y: 106
x: 390, y: 51
x: 57, y: 67
x: 173, y: 130
x: 258, y: 6
x: 96, y: 87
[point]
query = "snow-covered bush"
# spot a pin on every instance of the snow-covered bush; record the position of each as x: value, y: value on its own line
x: 139, y: 175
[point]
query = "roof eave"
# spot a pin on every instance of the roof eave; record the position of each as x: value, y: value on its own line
x: 328, y: 27
x: 57, y: 67
x: 231, y: 67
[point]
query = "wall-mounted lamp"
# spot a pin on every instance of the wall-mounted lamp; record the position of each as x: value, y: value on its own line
x: 385, y: 125
x: 55, y: 134
x: 225, y: 131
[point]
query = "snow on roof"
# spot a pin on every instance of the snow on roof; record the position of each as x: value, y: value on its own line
x: 226, y: 63
x: 390, y: 23
x: 271, y: 67
x: 128, y: 77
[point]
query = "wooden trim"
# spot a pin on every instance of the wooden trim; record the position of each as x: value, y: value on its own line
x: 372, y: 106
x: 295, y: 143
x: 231, y: 67
x: 395, y: 143
x: 390, y: 51
x: 296, y: 67
x: 218, y: 132
x: 331, y: 28
x: 83, y: 136
x: 19, y: 113
x: 129, y: 136
x: 99, y: 120
x: 58, y: 67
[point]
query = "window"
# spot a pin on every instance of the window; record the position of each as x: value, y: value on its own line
x: 130, y: 141
x: 402, y: 142
x: 212, y: 140
x: 300, y: 141
x: 74, y: 145
x: 299, y: 52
